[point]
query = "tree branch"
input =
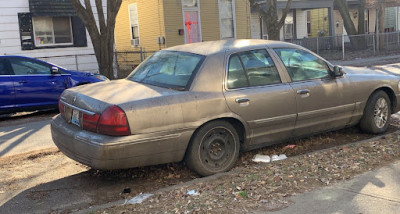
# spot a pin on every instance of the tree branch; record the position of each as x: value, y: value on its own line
x: 284, y: 14
x: 100, y: 14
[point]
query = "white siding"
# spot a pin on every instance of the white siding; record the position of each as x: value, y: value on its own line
x: 255, y: 25
x: 301, y: 24
x: 10, y: 43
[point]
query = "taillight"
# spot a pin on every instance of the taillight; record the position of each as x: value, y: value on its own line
x: 89, y: 122
x: 61, y: 108
x: 113, y: 121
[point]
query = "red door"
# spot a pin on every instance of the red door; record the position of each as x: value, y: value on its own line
x: 192, y: 31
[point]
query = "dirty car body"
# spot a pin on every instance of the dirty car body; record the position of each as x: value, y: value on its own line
x: 204, y: 102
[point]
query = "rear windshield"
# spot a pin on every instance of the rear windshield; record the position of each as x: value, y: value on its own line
x: 170, y: 69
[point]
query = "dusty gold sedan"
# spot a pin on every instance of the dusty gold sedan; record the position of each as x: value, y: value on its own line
x: 205, y: 102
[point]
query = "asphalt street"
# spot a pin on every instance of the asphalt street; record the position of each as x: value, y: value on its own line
x: 26, y: 137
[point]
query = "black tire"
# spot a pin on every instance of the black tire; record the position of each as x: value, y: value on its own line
x: 214, y: 148
x: 377, y: 113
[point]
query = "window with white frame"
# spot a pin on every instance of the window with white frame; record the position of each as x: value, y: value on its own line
x: 288, y: 27
x: 134, y: 21
x: 227, y: 22
x: 50, y: 31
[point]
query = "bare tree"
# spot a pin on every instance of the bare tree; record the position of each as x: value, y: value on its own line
x: 356, y: 42
x: 103, y: 38
x: 270, y: 16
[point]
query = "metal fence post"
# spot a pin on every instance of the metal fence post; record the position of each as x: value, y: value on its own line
x: 373, y: 44
x: 76, y: 62
x: 343, y: 46
x: 317, y: 45
x: 141, y: 54
x: 398, y: 38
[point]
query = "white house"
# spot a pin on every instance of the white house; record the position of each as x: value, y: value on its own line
x: 47, y: 30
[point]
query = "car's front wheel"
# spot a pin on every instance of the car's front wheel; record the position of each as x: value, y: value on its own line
x: 214, y: 148
x: 377, y: 113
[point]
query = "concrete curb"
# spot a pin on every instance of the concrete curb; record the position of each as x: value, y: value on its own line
x: 216, y: 176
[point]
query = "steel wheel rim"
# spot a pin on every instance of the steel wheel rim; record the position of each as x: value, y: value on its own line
x: 381, y: 113
x: 217, y: 148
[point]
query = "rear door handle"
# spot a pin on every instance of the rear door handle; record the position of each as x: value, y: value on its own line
x: 303, y: 91
x: 242, y: 100
x: 23, y: 81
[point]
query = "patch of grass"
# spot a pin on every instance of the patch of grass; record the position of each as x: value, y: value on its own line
x: 243, y: 194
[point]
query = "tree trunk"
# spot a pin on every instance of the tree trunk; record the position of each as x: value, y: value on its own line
x: 361, y: 17
x: 381, y: 24
x: 357, y: 42
x: 270, y: 17
x: 103, y: 38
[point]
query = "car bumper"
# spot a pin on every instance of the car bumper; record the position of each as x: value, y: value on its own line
x: 108, y: 152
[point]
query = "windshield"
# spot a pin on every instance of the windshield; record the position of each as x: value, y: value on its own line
x: 169, y: 69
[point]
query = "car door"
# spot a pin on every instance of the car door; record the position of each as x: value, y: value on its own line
x: 321, y: 103
x: 34, y: 83
x: 256, y: 91
x: 7, y: 95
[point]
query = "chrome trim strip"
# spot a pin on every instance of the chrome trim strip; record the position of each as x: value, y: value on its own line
x: 272, y: 119
x: 77, y: 108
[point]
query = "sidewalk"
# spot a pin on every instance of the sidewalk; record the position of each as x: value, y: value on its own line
x: 372, y: 192
x: 370, y: 61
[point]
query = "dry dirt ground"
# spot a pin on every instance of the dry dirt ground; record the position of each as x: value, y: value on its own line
x: 48, y: 182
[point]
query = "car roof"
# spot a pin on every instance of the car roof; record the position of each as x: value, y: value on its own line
x: 213, y: 47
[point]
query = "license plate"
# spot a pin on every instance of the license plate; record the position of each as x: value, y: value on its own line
x: 75, y: 117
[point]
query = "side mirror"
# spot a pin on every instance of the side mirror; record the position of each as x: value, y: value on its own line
x: 54, y: 70
x: 337, y: 71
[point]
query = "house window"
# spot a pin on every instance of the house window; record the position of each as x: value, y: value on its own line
x: 52, y: 31
x: 134, y: 21
x: 288, y: 28
x: 189, y: 3
x: 227, y: 21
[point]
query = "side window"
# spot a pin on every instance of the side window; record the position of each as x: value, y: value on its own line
x: 28, y: 67
x: 302, y: 65
x: 252, y: 68
x: 3, y: 68
x: 236, y: 74
x: 260, y: 68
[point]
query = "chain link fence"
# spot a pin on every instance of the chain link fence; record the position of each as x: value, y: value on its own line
x: 340, y: 47
x: 128, y: 60
x: 346, y: 47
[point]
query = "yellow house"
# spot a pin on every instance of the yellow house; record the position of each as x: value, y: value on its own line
x: 153, y: 25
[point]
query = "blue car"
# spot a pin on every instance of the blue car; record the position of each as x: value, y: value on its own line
x: 31, y: 84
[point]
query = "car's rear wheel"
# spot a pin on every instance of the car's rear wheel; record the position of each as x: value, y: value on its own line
x: 214, y: 148
x: 377, y: 113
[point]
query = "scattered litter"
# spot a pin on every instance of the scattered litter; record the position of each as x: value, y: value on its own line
x: 126, y: 191
x: 2, y: 192
x: 262, y: 158
x: 291, y: 146
x: 138, y: 199
x: 277, y: 158
x: 267, y: 159
x: 193, y: 192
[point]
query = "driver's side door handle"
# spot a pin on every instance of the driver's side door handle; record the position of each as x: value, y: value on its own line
x: 242, y: 100
x: 303, y: 91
